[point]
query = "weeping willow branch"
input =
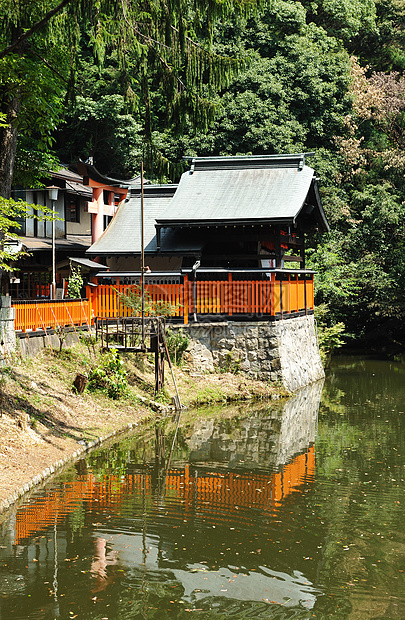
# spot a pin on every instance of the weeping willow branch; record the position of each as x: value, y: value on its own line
x: 34, y: 28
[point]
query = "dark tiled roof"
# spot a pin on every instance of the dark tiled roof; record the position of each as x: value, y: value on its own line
x: 242, y: 189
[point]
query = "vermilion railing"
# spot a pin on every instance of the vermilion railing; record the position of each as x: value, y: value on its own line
x: 282, y: 294
x: 51, y: 314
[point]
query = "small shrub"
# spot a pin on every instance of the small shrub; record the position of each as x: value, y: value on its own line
x: 110, y: 377
x: 132, y: 299
x: 75, y: 283
x: 231, y: 363
x: 90, y: 341
x: 330, y: 337
x: 177, y: 342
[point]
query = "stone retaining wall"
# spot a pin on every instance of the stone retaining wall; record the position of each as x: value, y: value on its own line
x: 7, y: 333
x: 31, y: 344
x: 285, y: 351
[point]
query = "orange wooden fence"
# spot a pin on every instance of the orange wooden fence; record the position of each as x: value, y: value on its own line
x: 46, y: 314
x: 284, y: 293
x: 251, y: 298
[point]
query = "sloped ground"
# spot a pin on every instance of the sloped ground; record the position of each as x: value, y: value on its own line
x: 43, y: 420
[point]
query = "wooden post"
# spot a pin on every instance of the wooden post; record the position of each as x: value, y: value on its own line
x: 185, y: 299
x: 277, y: 246
x: 272, y: 294
x: 98, y: 216
x: 230, y: 296
x: 302, y: 251
x: 142, y: 267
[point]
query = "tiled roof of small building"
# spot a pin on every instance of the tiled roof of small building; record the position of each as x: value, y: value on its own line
x: 243, y: 189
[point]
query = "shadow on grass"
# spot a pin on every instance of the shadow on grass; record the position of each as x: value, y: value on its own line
x: 21, y: 399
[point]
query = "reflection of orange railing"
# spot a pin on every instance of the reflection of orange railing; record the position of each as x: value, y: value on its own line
x: 33, y: 315
x: 233, y: 491
x: 281, y: 294
x: 229, y: 491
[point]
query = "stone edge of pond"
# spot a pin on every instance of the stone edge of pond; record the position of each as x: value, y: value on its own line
x: 59, y: 465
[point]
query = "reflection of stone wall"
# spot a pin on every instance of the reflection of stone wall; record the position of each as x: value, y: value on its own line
x: 266, y: 439
x: 285, y: 351
x: 246, y: 444
x: 299, y: 422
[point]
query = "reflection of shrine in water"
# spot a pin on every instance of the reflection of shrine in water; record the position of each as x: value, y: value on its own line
x: 264, y: 440
x: 257, y: 462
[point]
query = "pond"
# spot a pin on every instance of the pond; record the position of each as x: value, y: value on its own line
x: 288, y: 511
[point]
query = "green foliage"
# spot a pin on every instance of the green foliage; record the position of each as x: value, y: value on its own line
x: 132, y: 299
x: 110, y: 376
x: 102, y: 126
x: 10, y: 212
x: 75, y: 282
x: 291, y: 95
x: 345, y: 19
x: 231, y: 363
x: 177, y: 342
x: 330, y: 337
x: 160, y: 48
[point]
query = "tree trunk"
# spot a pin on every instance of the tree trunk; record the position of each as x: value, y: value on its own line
x: 8, y: 146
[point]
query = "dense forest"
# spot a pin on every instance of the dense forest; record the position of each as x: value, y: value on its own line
x: 283, y: 76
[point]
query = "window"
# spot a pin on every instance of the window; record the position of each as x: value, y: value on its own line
x: 19, y: 229
x: 107, y: 220
x: 72, y: 208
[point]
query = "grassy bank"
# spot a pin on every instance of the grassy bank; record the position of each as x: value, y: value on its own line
x: 44, y: 419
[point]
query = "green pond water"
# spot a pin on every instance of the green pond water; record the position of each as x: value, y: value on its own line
x: 294, y: 510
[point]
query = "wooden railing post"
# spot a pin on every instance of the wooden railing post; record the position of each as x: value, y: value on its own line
x: 273, y: 294
x: 185, y: 299
x: 230, y: 295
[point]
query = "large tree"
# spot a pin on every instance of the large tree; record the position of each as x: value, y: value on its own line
x: 39, y: 41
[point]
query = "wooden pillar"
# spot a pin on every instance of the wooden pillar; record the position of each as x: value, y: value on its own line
x: 97, y: 218
x: 272, y: 293
x: 230, y: 296
x: 302, y: 250
x: 277, y: 244
x: 185, y: 299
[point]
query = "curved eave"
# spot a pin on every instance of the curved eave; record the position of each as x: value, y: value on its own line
x: 90, y: 171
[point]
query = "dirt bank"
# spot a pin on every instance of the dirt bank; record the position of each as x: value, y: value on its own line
x: 44, y: 422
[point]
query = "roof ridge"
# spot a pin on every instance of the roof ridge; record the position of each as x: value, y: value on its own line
x: 235, y: 162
